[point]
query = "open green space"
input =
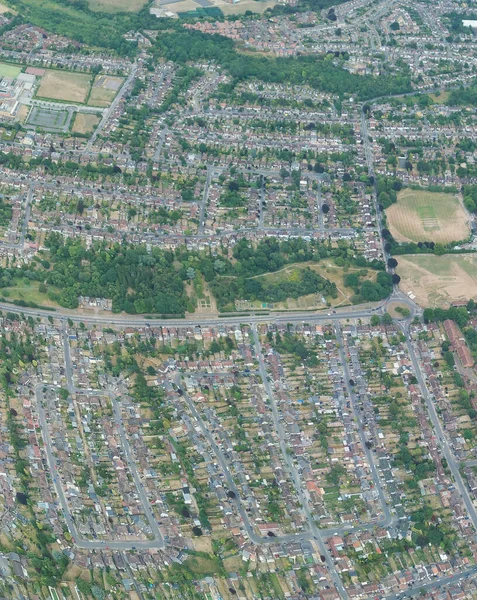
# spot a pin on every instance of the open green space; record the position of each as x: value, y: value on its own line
x: 420, y: 215
x: 27, y: 291
x: 116, y: 6
x: 7, y: 70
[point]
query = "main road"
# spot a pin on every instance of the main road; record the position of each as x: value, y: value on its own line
x: 452, y: 463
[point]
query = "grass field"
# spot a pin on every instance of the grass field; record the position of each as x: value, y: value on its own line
x: 115, y: 6
x: 436, y: 281
x: 7, y: 70
x: 24, y: 289
x: 104, y: 90
x: 65, y: 85
x: 84, y: 123
x: 420, y: 216
x: 326, y: 269
x: 4, y: 9
x: 240, y: 8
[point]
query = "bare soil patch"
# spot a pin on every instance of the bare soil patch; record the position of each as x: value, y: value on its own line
x: 436, y: 281
x: 84, y: 123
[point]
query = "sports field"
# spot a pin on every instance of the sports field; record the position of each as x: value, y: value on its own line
x: 84, y: 123
x: 104, y: 90
x: 7, y: 70
x: 420, y: 216
x: 65, y: 85
x: 436, y: 281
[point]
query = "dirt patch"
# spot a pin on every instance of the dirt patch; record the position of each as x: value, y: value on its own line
x: 64, y: 85
x: 22, y: 113
x: 84, y: 123
x: 202, y: 544
x: 420, y: 216
x: 436, y: 281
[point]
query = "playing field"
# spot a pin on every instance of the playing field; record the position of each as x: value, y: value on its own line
x: 436, y: 281
x: 7, y: 70
x: 65, y: 85
x: 114, y: 6
x: 104, y: 90
x: 84, y: 123
x: 420, y: 216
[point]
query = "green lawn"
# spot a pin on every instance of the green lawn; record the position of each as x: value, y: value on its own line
x: 7, y: 70
x: 24, y: 289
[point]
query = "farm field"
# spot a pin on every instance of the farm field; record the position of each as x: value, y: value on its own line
x: 65, y: 85
x: 7, y: 70
x: 84, y: 123
x: 420, y: 216
x: 116, y: 6
x: 436, y: 281
x: 104, y: 90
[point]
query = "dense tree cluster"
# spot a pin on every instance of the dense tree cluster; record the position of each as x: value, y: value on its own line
x: 459, y: 315
x: 319, y: 72
x: 136, y: 280
x: 367, y: 290
x: 470, y: 197
x: 305, y: 282
x: 387, y: 188
x: 143, y: 280
x: 464, y: 96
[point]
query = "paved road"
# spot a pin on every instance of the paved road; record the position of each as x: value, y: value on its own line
x: 158, y: 541
x: 436, y: 583
x: 79, y: 541
x: 203, y: 203
x: 117, y: 417
x: 256, y: 539
x: 441, y: 438
x: 162, y: 138
x: 109, y: 111
x: 378, y: 485
x: 123, y: 320
x: 293, y: 471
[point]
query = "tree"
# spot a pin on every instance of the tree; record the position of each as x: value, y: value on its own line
x: 374, y: 320
x: 392, y: 263
x: 387, y: 319
x: 325, y: 208
x: 396, y: 279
